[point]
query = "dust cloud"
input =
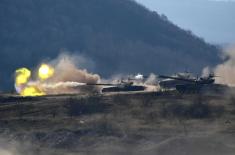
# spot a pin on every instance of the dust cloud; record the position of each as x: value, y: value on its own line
x: 69, y: 77
x: 226, y: 70
x: 67, y: 69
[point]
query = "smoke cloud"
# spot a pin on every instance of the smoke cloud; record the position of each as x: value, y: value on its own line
x: 152, y: 83
x: 69, y: 77
x: 67, y: 69
x: 151, y: 80
x: 63, y: 75
x: 226, y: 70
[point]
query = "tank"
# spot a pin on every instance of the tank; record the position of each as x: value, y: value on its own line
x: 197, y: 85
x: 122, y: 86
x: 170, y: 82
x: 123, y: 89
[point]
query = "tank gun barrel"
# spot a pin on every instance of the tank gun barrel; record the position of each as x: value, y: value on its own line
x: 176, y: 78
x: 100, y: 84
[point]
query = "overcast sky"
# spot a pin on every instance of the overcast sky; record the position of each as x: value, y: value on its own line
x: 213, y: 20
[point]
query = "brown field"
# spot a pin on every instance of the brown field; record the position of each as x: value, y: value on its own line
x: 140, y: 123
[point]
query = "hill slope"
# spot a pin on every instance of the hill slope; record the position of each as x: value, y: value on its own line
x: 120, y: 36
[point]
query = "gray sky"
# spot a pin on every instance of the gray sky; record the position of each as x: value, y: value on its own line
x: 213, y: 20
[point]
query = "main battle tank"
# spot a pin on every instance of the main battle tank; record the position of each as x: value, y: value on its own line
x: 170, y: 82
x: 197, y: 85
x: 123, y: 86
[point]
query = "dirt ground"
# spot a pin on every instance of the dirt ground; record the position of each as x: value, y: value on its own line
x: 113, y: 124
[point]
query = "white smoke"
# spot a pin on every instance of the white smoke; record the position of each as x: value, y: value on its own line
x: 151, y: 80
x: 139, y: 76
x: 63, y: 85
x: 152, y: 83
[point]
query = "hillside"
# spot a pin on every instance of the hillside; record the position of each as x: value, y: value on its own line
x: 119, y: 36
x: 143, y: 123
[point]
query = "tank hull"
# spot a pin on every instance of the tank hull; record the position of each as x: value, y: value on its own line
x: 202, y: 88
x: 123, y: 89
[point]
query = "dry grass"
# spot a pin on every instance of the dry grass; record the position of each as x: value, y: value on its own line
x: 120, y: 124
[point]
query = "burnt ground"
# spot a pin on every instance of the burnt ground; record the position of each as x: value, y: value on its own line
x: 141, y: 123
